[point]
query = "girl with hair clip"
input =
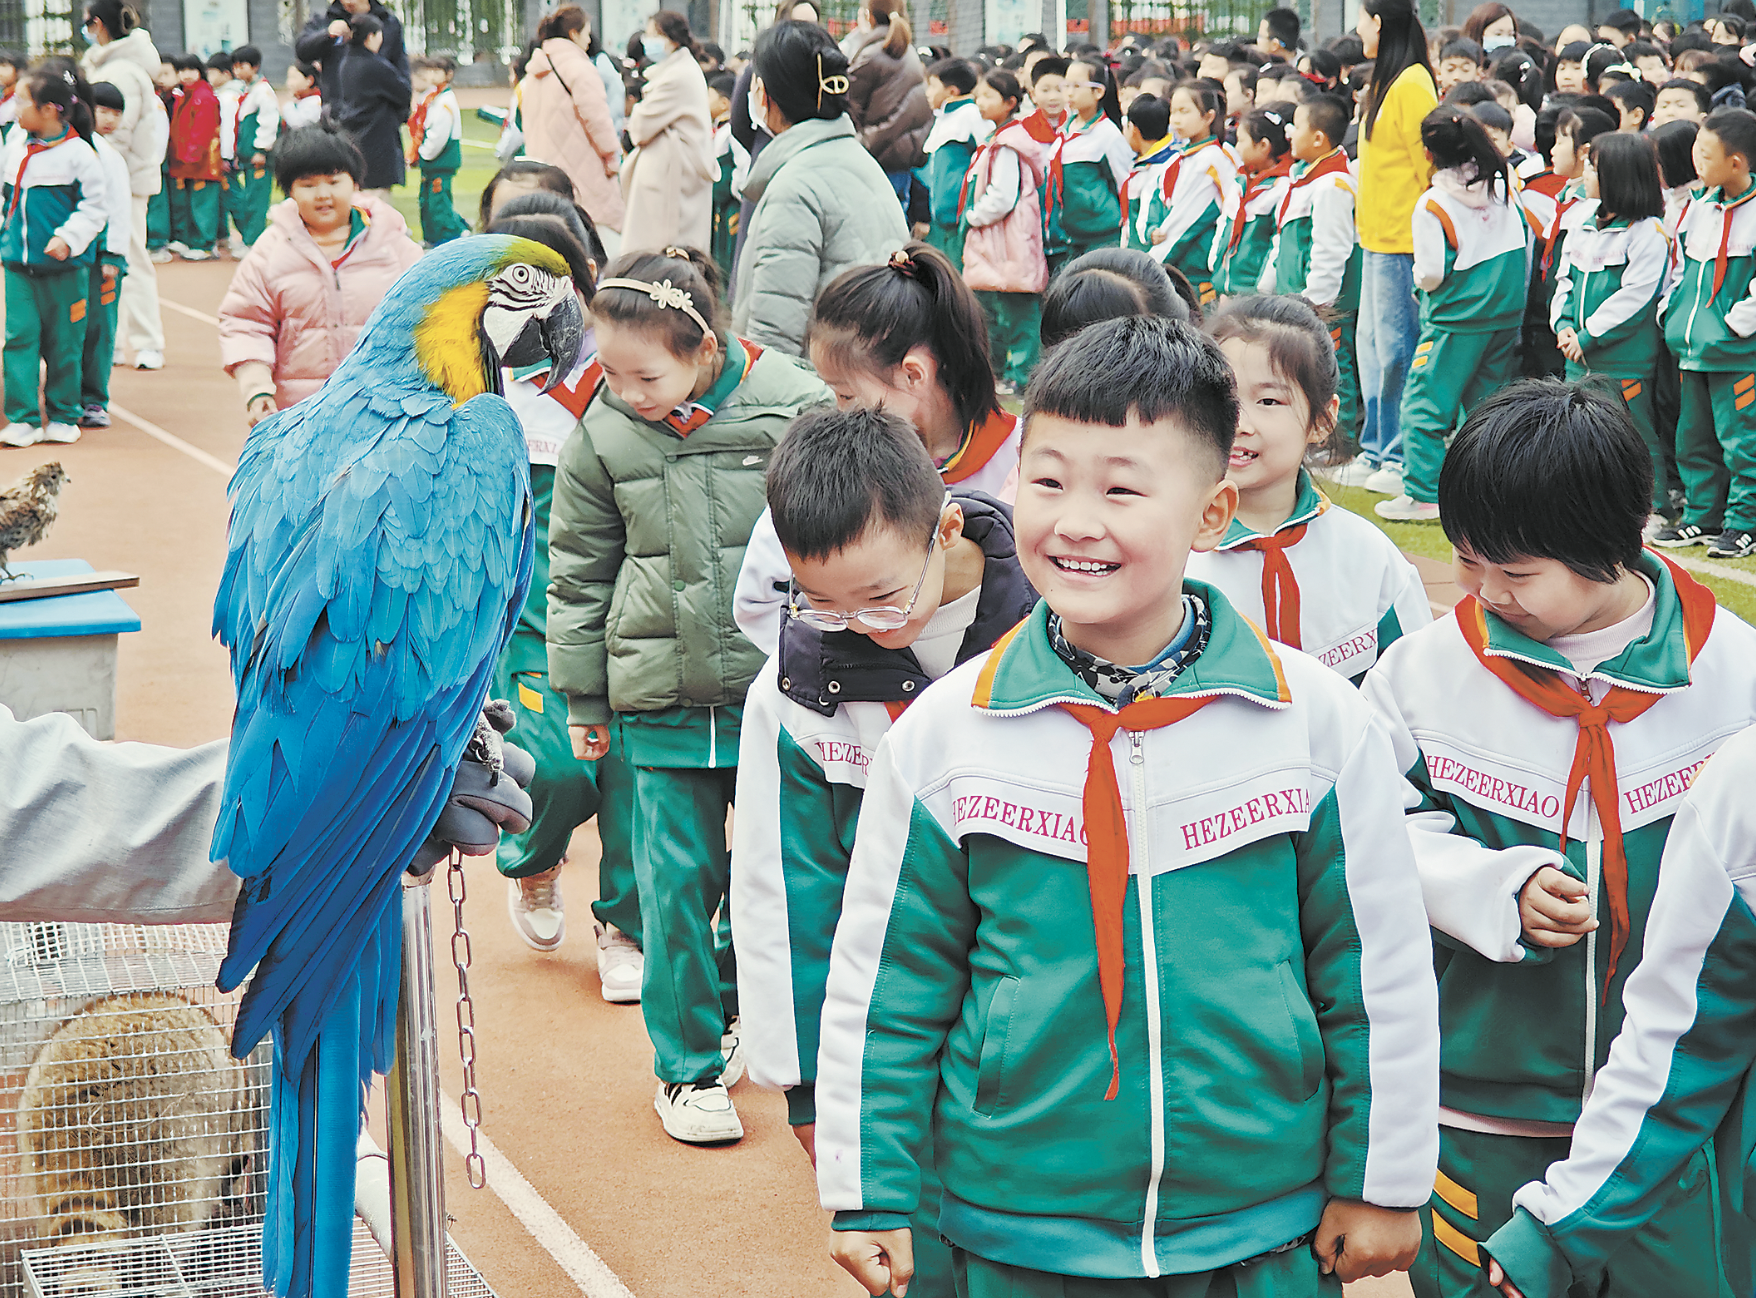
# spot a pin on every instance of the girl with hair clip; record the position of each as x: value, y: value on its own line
x: 54, y: 195
x: 907, y: 336
x: 1471, y: 263
x: 1314, y: 577
x: 655, y: 495
x: 1003, y: 260
x: 1613, y: 271
x: 1088, y: 167
x: 822, y: 203
x: 1186, y: 214
x: 1246, y: 227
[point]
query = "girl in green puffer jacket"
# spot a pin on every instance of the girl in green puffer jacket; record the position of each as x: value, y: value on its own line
x: 655, y: 495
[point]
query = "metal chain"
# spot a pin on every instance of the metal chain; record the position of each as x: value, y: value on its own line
x: 471, y: 1099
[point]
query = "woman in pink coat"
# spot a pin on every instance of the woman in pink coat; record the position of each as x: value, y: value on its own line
x: 567, y: 118
x: 300, y: 298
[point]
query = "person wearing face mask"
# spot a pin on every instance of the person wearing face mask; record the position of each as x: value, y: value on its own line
x: 1492, y: 26
x: 667, y: 184
x: 569, y: 121
x: 822, y: 203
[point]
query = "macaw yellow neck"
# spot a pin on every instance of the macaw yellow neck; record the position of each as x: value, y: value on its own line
x: 448, y: 342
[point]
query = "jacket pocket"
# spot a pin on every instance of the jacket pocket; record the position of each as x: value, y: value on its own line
x: 991, y: 1071
x: 1303, y: 1021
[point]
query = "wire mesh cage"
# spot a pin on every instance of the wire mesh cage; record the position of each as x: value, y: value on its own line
x: 122, y: 1114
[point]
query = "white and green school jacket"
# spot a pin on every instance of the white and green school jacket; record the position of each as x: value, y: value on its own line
x: 1608, y: 289
x: 1679, y: 1072
x: 1471, y: 258
x: 1526, y: 1028
x: 1277, y: 1039
x: 812, y: 722
x: 1316, y: 250
x: 1186, y: 207
x: 1357, y: 592
x: 257, y: 122
x: 1088, y: 172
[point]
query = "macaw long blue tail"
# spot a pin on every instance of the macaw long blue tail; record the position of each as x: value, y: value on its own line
x: 315, y: 1116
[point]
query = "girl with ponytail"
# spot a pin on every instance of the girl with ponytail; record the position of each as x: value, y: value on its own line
x: 53, y: 193
x: 909, y: 336
x: 1470, y: 267
x: 887, y: 93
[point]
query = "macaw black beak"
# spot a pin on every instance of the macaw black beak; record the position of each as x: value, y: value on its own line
x: 556, y: 338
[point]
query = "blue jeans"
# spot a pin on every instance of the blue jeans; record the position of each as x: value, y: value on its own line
x: 899, y: 181
x: 1385, y: 343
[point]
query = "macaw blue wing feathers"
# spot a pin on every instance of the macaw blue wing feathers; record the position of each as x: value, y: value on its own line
x: 380, y: 549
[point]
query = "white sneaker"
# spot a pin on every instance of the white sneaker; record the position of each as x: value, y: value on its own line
x: 698, y: 1113
x: 1406, y: 509
x: 177, y: 246
x: 149, y: 360
x: 534, y: 903
x: 197, y: 254
x: 731, y: 1045
x: 20, y: 435
x: 1388, y: 480
x: 621, y: 965
x: 159, y: 256
x: 61, y: 434
x: 1352, y: 474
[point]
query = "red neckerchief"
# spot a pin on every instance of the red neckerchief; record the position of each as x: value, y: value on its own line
x: 1331, y: 163
x: 1725, y: 237
x: 1057, y: 181
x: 1174, y: 167
x: 1254, y: 185
x: 1594, y: 755
x: 1547, y: 183
x: 1106, y: 838
x: 32, y: 147
x: 418, y: 126
x: 988, y: 152
x: 978, y: 447
x: 1561, y: 210
x: 1040, y: 128
x: 1280, y: 589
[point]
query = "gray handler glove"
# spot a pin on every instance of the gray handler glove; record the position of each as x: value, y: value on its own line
x: 487, y: 794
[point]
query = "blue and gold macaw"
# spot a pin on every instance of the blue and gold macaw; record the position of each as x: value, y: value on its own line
x: 380, y: 552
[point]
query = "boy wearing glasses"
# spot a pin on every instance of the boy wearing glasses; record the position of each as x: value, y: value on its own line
x: 895, y: 582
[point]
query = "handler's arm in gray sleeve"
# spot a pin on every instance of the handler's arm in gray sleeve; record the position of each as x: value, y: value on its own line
x: 108, y: 833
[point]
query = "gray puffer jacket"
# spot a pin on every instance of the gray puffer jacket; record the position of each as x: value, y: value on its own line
x: 823, y: 205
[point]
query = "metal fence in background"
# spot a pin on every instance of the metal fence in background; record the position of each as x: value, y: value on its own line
x: 37, y: 27
x: 470, y: 31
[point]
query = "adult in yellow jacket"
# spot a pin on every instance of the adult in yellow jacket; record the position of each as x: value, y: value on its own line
x: 1394, y: 173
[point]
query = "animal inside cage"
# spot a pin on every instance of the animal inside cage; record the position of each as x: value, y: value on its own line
x: 133, y: 1148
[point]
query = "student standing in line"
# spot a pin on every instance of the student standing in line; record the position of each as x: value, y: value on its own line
x: 958, y: 130
x: 436, y: 147
x: 1245, y: 231
x: 55, y: 197
x: 1472, y: 267
x: 110, y: 267
x: 1709, y: 319
x: 1131, y: 899
x: 1148, y: 132
x: 655, y: 496
x: 1189, y: 201
x: 249, y: 183
x: 1087, y: 168
x: 1548, y: 730
x: 196, y: 169
x: 1317, y: 578
x: 1002, y: 215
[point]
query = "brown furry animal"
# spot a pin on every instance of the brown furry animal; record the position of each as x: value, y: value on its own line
x: 131, y: 1120
x: 27, y: 509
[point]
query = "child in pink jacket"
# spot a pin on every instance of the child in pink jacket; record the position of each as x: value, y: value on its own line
x: 306, y: 288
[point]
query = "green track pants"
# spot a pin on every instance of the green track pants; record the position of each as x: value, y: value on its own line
x: 440, y: 222
x: 682, y: 867
x: 102, y: 307
x: 249, y: 191
x: 195, y: 213
x: 1449, y: 374
x: 1674, y: 1254
x: 566, y: 792
x: 1638, y: 396
x: 45, y: 324
x: 1292, y: 1274
x: 158, y: 216
x: 948, y: 239
x: 1347, y: 377
x: 1716, y: 449
x: 1015, y: 334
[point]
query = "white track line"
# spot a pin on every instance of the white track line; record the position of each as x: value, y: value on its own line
x: 1713, y: 569
x: 571, y: 1253
x: 173, y: 441
x: 189, y: 311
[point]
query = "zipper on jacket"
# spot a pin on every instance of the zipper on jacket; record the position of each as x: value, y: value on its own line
x: 1594, y: 859
x: 712, y: 738
x: 1149, y: 977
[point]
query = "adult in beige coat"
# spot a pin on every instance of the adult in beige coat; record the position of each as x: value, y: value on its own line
x: 567, y: 117
x: 668, y: 180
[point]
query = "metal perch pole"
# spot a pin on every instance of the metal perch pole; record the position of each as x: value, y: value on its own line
x: 417, y: 1173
